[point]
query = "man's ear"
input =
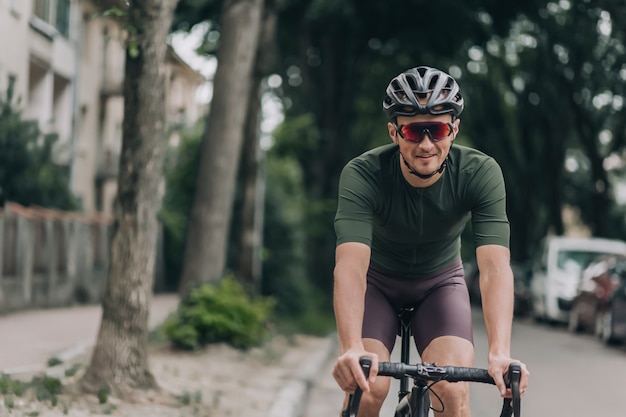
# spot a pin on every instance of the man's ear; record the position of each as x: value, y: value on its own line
x: 455, y: 128
x: 391, y: 128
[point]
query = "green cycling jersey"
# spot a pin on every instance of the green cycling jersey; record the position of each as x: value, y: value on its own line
x: 414, y: 232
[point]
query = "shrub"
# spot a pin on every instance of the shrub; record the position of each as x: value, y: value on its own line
x: 221, y: 312
x: 11, y: 386
x: 41, y: 388
x: 28, y: 173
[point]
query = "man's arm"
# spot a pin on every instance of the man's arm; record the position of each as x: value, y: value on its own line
x: 351, y: 264
x: 496, y: 288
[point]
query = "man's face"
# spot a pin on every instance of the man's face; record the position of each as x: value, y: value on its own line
x: 424, y: 156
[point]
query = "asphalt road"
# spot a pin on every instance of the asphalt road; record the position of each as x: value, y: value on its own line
x: 571, y: 375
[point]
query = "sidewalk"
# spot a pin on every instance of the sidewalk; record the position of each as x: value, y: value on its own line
x: 28, y: 339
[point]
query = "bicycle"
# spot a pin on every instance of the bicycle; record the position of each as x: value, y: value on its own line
x: 416, y: 402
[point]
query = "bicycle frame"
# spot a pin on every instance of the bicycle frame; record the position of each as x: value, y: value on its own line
x: 414, y: 403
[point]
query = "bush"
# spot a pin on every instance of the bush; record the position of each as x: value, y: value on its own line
x: 28, y: 175
x: 221, y: 312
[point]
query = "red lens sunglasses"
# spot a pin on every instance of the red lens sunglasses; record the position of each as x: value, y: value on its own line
x: 414, y: 132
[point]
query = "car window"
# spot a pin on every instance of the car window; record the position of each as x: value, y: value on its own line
x: 568, y: 260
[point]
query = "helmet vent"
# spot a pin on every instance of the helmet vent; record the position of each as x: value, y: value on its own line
x: 445, y: 92
x: 433, y: 82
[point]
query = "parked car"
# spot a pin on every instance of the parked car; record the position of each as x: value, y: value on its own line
x: 557, y: 271
x: 595, y: 289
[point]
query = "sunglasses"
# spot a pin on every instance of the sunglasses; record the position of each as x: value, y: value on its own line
x: 414, y: 132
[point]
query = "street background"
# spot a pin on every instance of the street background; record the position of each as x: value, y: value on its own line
x: 571, y: 374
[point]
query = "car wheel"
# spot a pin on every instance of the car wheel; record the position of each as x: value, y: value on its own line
x: 573, y: 325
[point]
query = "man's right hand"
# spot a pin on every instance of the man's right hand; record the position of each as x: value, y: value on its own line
x: 348, y: 373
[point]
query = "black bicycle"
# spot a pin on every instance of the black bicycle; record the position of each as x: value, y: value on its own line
x: 416, y: 402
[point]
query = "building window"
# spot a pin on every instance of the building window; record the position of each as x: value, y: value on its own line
x: 54, y: 12
x: 41, y: 9
x: 63, y: 17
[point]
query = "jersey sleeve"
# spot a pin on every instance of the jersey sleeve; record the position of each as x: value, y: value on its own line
x: 355, y: 206
x: 490, y: 224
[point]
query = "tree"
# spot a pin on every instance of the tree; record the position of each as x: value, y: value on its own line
x: 551, y: 90
x: 119, y: 363
x: 541, y: 78
x: 251, y: 220
x: 337, y: 58
x: 207, y: 236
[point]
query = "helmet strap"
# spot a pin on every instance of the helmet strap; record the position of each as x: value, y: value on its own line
x: 424, y: 176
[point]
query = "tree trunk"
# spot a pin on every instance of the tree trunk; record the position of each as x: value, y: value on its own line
x: 249, y: 263
x: 119, y: 362
x: 211, y: 212
x: 250, y: 234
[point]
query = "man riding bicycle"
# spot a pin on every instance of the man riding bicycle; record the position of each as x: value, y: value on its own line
x: 402, y: 208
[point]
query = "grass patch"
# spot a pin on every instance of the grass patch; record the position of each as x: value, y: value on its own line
x: 44, y: 389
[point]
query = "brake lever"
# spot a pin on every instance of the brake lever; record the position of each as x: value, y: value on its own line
x: 355, y: 399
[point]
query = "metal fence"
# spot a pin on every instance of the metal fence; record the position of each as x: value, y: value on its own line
x: 50, y: 258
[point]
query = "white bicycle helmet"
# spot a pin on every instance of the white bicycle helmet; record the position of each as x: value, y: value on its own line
x: 423, y: 90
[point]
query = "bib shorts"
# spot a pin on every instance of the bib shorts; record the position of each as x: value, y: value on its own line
x: 441, y: 302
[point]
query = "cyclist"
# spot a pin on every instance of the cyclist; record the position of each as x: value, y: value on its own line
x: 401, y: 210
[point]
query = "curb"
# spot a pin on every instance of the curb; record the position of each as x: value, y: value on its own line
x: 292, y: 398
x: 69, y: 357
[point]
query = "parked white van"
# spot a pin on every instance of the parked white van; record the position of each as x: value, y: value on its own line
x: 557, y: 271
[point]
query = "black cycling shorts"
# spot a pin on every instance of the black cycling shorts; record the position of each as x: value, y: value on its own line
x: 441, y: 302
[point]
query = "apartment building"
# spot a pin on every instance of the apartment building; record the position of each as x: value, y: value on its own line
x: 66, y: 62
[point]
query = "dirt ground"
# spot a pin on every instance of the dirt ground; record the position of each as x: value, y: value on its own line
x: 218, y: 381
